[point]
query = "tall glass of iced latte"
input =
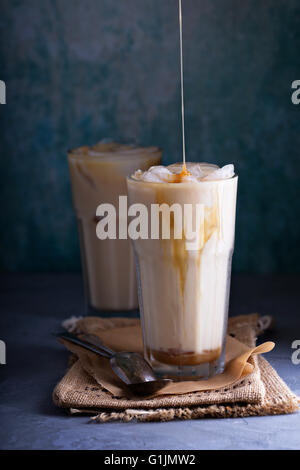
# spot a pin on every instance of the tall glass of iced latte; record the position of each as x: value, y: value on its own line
x: 184, y: 280
x: 98, y: 175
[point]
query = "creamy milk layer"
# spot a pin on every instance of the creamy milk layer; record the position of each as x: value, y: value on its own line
x: 98, y: 175
x: 184, y: 294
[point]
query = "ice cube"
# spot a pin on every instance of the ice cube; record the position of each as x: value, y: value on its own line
x: 221, y: 173
x: 157, y: 174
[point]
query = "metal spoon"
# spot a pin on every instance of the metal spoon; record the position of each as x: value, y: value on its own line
x: 130, y: 367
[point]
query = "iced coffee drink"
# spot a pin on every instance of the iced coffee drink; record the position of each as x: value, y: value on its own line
x: 185, y: 282
x: 98, y: 175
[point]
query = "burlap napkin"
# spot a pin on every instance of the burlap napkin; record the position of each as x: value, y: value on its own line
x: 248, y: 386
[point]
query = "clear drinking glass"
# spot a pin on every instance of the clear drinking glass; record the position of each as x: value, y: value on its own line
x: 184, y: 292
x: 98, y: 175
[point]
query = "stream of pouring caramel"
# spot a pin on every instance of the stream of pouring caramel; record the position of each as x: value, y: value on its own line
x: 185, y: 172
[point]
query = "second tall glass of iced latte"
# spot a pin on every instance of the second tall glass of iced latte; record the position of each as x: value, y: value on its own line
x: 183, y: 286
x: 98, y: 175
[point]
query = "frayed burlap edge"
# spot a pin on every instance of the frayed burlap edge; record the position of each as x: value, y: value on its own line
x: 210, y: 412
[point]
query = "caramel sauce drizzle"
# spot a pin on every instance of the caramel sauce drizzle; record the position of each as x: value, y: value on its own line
x: 184, y: 169
x: 179, y: 177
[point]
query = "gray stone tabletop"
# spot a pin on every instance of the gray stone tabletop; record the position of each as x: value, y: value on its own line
x: 34, y: 305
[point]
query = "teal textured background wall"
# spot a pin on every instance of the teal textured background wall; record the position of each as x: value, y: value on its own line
x: 80, y: 70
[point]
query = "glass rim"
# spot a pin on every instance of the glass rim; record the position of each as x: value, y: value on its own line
x: 180, y: 184
x: 133, y: 152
